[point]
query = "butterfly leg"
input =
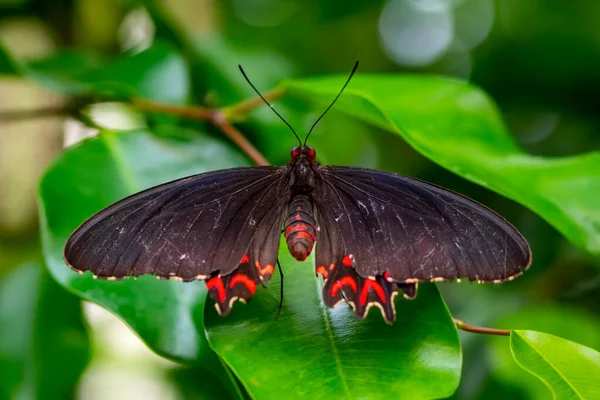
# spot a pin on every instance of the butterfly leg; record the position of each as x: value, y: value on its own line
x: 280, y: 308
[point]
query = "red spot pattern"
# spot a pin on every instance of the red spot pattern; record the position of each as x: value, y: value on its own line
x: 345, y: 281
x: 244, y: 259
x: 364, y: 293
x: 267, y: 269
x: 298, y: 217
x: 323, y: 271
x: 386, y: 276
x: 245, y: 280
x: 347, y: 261
x: 217, y: 283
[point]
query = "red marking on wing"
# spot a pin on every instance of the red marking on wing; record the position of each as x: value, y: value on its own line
x: 298, y: 217
x: 345, y: 281
x: 245, y: 280
x: 217, y: 283
x: 244, y: 259
x: 321, y: 270
x: 365, y: 291
x: 386, y: 276
x: 267, y: 269
x: 347, y: 261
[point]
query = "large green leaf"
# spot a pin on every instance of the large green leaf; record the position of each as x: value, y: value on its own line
x: 312, y: 351
x: 457, y: 126
x: 43, y: 341
x: 569, y: 369
x: 86, y: 178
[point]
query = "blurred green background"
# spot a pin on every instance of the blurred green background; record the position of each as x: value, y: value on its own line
x: 538, y: 59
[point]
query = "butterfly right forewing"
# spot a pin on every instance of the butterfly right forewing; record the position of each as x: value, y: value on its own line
x: 384, y: 225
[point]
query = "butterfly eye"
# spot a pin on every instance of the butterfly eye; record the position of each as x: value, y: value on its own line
x: 295, y: 152
x: 311, y: 153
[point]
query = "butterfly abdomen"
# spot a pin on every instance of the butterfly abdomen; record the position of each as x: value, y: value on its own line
x: 299, y: 229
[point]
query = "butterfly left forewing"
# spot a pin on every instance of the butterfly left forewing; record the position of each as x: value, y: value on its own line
x: 216, y: 227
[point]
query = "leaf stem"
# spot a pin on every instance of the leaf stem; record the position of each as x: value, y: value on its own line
x: 480, y: 329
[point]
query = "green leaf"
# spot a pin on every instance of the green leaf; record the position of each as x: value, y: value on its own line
x: 168, y: 315
x: 311, y: 350
x: 43, y: 341
x: 568, y: 322
x: 7, y: 64
x: 569, y: 369
x: 457, y: 126
x: 157, y: 73
x: 211, y: 386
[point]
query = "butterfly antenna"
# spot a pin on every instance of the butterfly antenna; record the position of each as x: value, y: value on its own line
x: 333, y: 102
x: 269, y: 104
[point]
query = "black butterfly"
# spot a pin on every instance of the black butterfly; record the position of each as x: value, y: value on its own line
x: 376, y: 232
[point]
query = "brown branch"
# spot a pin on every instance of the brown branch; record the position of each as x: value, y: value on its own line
x: 480, y: 329
x: 192, y: 112
x: 18, y: 115
x: 240, y: 140
x: 249, y: 105
x: 214, y: 116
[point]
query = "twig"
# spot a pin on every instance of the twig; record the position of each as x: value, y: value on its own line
x: 248, y: 105
x: 17, y: 115
x: 214, y: 116
x: 240, y: 140
x: 192, y: 112
x: 480, y: 329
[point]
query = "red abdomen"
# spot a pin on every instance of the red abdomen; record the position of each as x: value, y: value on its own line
x: 300, y: 232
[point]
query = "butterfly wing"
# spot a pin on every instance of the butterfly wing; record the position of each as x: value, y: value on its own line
x: 221, y: 226
x: 380, y: 232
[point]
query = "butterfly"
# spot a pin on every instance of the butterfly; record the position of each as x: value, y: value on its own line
x: 376, y: 233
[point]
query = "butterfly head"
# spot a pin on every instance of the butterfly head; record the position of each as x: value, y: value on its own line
x: 299, y: 152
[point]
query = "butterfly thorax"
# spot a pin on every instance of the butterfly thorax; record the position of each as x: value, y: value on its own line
x: 302, y: 170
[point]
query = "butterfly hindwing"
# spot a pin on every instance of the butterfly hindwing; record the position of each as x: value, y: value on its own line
x: 400, y: 230
x: 200, y: 227
x: 255, y: 268
x: 343, y: 283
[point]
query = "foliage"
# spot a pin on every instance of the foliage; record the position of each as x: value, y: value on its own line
x: 310, y: 351
x: 42, y: 352
x: 565, y: 367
